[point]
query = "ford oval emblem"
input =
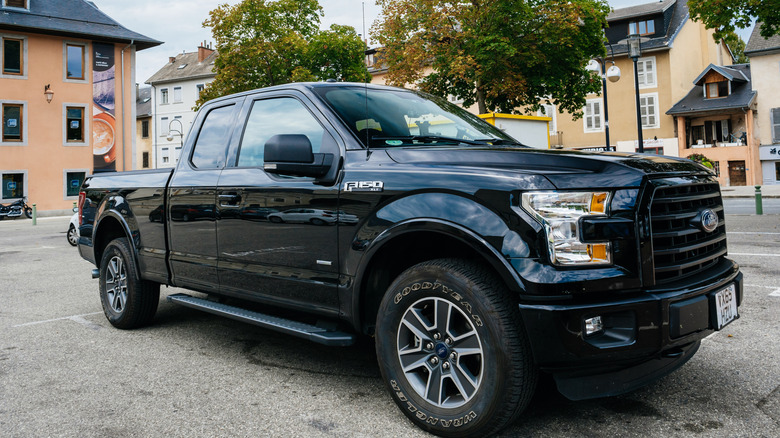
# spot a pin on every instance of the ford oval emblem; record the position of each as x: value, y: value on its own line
x: 709, y: 220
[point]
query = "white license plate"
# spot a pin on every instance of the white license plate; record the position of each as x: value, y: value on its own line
x: 726, y: 305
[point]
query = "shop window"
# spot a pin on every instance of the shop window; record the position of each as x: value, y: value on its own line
x: 13, y: 185
x: 75, y: 61
x: 73, y: 181
x: 74, y: 120
x: 13, y: 59
x: 13, y: 122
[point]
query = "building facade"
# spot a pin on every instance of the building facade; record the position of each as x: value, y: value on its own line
x: 176, y: 88
x: 144, y: 146
x: 764, y: 57
x: 67, y: 98
x: 674, y: 51
x: 716, y: 121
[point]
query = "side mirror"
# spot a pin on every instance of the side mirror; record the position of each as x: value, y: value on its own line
x: 291, y: 154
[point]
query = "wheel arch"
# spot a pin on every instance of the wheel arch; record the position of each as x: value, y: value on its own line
x: 111, y: 226
x: 419, y: 240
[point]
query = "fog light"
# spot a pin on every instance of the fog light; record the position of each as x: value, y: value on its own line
x: 593, y: 325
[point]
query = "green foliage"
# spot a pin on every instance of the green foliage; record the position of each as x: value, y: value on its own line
x: 725, y: 16
x: 500, y: 54
x: 263, y: 43
x: 701, y: 159
x: 737, y: 46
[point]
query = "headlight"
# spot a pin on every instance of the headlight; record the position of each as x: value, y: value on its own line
x: 559, y: 214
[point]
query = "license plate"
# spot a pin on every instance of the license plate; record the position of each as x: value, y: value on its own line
x: 726, y: 306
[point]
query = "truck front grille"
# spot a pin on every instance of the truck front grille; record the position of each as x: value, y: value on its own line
x: 680, y: 247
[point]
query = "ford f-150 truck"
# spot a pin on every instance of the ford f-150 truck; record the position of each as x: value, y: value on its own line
x: 332, y: 211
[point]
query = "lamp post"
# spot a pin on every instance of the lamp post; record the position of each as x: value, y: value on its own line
x: 635, y: 51
x: 613, y: 74
x: 177, y: 131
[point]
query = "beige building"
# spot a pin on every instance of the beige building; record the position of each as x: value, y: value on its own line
x: 764, y: 57
x: 674, y: 51
x: 67, y: 98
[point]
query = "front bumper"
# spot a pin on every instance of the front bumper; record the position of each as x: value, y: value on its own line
x: 646, y: 336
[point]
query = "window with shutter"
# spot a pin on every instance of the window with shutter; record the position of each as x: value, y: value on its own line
x: 775, y: 125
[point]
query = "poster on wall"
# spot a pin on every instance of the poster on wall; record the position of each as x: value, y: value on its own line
x: 103, y: 107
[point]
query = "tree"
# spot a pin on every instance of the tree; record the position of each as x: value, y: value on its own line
x: 263, y: 43
x: 499, y: 54
x: 726, y: 16
x: 737, y: 46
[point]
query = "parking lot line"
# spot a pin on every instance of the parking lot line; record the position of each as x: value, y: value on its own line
x: 77, y: 318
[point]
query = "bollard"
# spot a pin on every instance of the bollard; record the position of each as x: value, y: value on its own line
x: 74, y: 207
x: 759, y: 202
x: 35, y: 215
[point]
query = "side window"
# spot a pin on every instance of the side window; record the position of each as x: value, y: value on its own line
x: 211, y: 146
x: 279, y: 116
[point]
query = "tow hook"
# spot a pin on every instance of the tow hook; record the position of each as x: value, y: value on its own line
x: 95, y: 273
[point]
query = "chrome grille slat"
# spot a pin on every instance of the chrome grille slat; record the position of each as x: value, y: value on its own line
x: 681, y: 249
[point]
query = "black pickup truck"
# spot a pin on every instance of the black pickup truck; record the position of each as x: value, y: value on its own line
x: 332, y: 211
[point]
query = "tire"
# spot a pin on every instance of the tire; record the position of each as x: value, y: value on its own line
x: 28, y: 212
x: 275, y: 219
x: 128, y: 301
x: 73, y: 235
x: 317, y: 221
x: 477, y: 347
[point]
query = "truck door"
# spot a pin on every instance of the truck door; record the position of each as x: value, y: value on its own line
x: 277, y: 235
x: 192, y: 210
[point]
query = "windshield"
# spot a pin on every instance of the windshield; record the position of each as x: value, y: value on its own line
x: 395, y: 117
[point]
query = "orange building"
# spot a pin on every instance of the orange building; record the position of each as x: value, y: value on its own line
x: 67, y: 99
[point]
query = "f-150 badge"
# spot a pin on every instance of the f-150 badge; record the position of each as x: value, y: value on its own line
x: 364, y: 186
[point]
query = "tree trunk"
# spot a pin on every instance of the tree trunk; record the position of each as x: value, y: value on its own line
x: 481, y: 99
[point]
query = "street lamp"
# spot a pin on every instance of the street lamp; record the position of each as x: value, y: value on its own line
x: 635, y: 51
x: 177, y: 131
x: 613, y: 74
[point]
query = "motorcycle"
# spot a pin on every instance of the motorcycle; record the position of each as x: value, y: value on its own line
x: 16, y: 209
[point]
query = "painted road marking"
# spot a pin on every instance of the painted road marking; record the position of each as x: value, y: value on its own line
x: 750, y: 232
x: 775, y: 290
x: 751, y: 254
x: 75, y: 318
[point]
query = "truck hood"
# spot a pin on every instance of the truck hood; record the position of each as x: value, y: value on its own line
x: 564, y: 169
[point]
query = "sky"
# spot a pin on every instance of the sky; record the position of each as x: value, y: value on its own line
x: 178, y: 23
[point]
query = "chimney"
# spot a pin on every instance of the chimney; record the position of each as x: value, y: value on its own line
x: 204, y: 51
x: 171, y: 59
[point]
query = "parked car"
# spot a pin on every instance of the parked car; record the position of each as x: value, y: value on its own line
x: 304, y: 216
x: 73, y: 228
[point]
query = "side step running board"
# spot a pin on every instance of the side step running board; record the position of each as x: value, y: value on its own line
x: 302, y: 330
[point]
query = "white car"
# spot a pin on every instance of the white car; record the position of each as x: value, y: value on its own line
x: 304, y: 216
x: 73, y: 230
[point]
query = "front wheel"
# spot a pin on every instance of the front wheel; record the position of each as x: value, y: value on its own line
x: 452, y: 349
x: 73, y: 235
x: 128, y: 301
x: 28, y: 212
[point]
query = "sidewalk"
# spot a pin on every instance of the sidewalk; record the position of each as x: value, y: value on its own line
x: 768, y: 191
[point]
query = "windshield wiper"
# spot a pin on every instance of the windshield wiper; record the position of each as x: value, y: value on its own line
x: 427, y: 138
x: 500, y: 141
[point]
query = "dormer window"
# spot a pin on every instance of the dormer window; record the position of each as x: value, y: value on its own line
x: 714, y: 90
x: 17, y: 4
x: 646, y: 27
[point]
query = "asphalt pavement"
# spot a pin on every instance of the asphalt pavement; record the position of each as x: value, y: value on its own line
x: 66, y: 372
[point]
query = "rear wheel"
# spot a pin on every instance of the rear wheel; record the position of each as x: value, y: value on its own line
x: 452, y: 349
x: 28, y: 212
x: 128, y: 301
